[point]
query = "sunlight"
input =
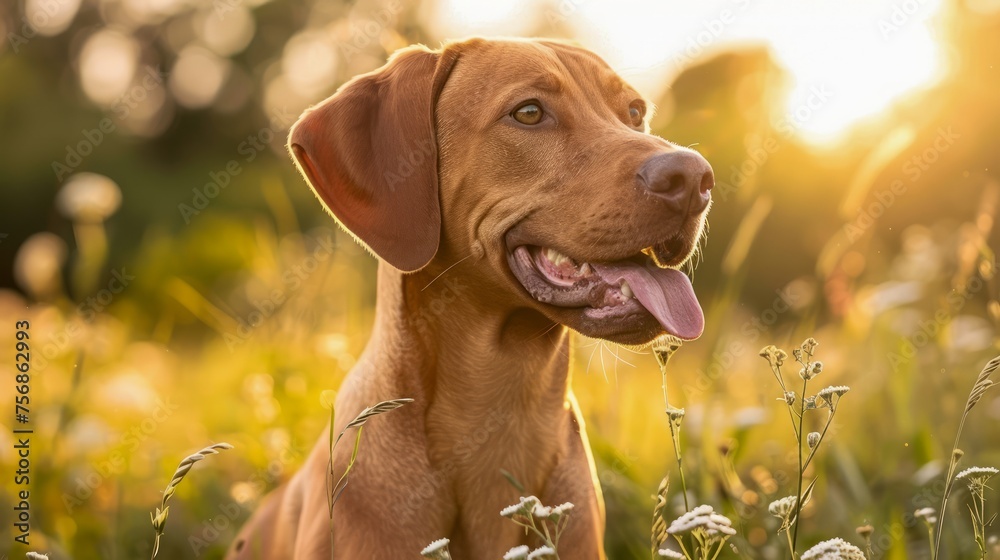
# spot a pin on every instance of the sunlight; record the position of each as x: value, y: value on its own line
x: 863, y: 54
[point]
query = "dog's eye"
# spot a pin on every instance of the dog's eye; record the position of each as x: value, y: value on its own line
x: 636, y: 112
x: 528, y: 114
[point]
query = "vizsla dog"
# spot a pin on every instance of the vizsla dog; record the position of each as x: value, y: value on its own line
x: 512, y: 191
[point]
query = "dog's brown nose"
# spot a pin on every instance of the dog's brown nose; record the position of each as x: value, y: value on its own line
x: 682, y: 178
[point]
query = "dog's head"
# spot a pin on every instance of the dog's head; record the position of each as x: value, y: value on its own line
x: 533, y: 157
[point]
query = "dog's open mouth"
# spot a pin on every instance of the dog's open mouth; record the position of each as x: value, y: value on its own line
x: 605, y: 291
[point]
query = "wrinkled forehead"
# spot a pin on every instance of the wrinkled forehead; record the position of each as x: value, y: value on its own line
x: 508, y: 71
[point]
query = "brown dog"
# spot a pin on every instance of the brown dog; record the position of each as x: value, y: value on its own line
x: 511, y: 189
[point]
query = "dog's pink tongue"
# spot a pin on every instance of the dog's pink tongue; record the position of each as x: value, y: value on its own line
x: 665, y: 292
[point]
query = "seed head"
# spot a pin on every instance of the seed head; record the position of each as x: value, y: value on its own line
x: 780, y: 356
x: 826, y: 396
x: 813, y: 439
x: 782, y: 508
x: 809, y: 346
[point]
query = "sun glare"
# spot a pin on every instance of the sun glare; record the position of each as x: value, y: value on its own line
x: 849, y: 60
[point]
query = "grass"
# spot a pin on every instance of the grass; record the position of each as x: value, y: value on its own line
x: 159, y: 517
x: 106, y: 440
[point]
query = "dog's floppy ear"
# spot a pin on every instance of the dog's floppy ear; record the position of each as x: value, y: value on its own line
x: 369, y: 153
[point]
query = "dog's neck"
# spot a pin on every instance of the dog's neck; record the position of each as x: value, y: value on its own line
x: 481, y: 368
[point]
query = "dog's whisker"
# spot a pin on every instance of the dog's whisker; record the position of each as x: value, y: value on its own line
x: 591, y: 359
x: 604, y: 368
x: 618, y: 355
x: 543, y: 332
x: 444, y: 271
x: 636, y: 352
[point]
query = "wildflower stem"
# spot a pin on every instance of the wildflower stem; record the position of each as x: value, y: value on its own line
x: 949, y: 484
x: 822, y: 434
x: 680, y: 542
x: 719, y: 550
x: 798, y: 494
x: 791, y: 412
x: 546, y: 539
x: 791, y: 547
x: 675, y: 434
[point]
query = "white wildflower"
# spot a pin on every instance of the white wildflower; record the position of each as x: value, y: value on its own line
x: 562, y: 508
x: 667, y: 553
x: 89, y: 197
x: 705, y: 519
x: 517, y: 553
x: 834, y: 549
x: 541, y: 512
x: 510, y: 510
x: 977, y: 472
x: 524, y: 507
x: 929, y: 515
x: 437, y: 549
x: 542, y: 552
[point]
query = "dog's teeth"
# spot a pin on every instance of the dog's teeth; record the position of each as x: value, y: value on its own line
x: 556, y: 258
x: 626, y: 290
x: 585, y: 269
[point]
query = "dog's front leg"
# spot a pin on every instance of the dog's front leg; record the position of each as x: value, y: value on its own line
x: 574, y: 480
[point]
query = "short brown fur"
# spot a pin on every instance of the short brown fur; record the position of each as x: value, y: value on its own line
x: 487, y: 365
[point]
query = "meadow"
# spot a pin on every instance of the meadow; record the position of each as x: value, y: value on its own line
x: 184, y: 289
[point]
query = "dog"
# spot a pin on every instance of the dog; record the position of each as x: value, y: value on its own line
x: 512, y: 192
